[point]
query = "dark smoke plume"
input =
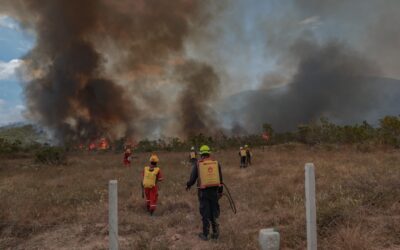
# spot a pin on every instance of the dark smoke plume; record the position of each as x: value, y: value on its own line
x: 322, y: 58
x: 331, y: 81
x: 93, y: 60
x: 158, y: 68
x: 201, y: 85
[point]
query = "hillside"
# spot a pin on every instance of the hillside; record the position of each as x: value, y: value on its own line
x: 26, y: 133
x: 285, y: 109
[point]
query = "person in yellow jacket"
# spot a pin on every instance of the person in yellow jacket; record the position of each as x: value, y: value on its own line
x: 151, y: 176
x: 243, y: 157
x: 207, y: 172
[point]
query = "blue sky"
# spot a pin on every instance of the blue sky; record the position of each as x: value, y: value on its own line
x: 14, y: 44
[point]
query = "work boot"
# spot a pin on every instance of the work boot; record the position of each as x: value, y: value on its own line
x: 215, y: 231
x: 203, y: 236
x: 214, y: 236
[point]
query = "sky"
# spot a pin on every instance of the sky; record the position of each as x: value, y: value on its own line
x: 14, y: 44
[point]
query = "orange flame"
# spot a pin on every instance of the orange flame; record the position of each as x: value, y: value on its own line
x: 103, y: 144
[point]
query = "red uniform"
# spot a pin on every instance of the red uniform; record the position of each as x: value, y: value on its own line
x: 152, y: 193
x: 127, y: 158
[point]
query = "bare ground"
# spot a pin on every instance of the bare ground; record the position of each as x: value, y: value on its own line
x: 65, y: 207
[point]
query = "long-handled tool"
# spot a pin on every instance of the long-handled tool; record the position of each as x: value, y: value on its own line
x: 230, y: 199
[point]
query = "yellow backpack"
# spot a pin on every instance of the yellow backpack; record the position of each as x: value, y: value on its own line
x: 192, y: 155
x: 242, y: 153
x: 209, y: 174
x: 150, y: 177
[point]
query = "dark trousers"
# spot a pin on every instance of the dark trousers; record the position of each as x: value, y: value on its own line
x: 209, y: 209
x: 193, y: 162
x: 243, y: 162
x: 248, y: 160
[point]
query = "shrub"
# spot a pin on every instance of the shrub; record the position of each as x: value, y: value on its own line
x: 51, y: 156
x: 390, y: 130
x: 7, y: 147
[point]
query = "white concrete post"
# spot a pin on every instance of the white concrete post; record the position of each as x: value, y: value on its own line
x: 113, y: 214
x: 311, y: 211
x: 269, y: 239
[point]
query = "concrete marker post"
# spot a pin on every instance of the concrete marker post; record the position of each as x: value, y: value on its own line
x: 113, y: 214
x: 269, y: 239
x: 311, y: 210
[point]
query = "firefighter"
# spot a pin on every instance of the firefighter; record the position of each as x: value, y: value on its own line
x: 248, y: 155
x: 127, y: 157
x: 243, y: 156
x: 208, y: 174
x: 192, y: 156
x: 151, y: 176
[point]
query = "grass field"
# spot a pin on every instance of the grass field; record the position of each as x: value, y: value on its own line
x: 65, y: 207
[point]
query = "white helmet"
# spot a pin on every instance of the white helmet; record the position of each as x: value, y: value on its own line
x: 192, y: 148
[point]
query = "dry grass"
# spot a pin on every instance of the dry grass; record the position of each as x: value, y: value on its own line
x: 65, y: 207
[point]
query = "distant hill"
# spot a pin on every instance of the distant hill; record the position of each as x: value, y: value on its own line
x: 26, y: 133
x: 284, y: 109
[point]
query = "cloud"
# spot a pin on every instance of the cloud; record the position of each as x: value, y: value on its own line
x: 8, y: 69
x: 8, y: 23
x: 11, y: 114
x: 312, y: 22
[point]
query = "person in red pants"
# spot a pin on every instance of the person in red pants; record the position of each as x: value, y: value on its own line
x: 151, y: 176
x: 127, y: 157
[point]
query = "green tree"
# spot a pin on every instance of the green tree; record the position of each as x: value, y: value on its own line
x: 390, y: 130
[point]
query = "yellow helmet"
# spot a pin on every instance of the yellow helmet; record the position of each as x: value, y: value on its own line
x: 154, y: 158
x: 246, y: 146
x: 205, y: 150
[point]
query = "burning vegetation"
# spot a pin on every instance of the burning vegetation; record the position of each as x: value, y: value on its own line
x: 93, y: 59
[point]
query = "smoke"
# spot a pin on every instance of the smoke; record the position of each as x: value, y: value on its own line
x: 201, y: 86
x: 331, y: 81
x: 368, y: 25
x: 155, y: 68
x: 322, y: 58
x: 99, y: 68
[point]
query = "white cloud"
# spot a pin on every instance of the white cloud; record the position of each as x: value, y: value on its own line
x: 10, y: 115
x: 313, y: 21
x: 20, y: 107
x: 8, y: 23
x: 8, y: 69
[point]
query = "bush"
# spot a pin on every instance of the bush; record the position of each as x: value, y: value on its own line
x: 51, y: 156
x: 7, y: 147
x: 390, y: 130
